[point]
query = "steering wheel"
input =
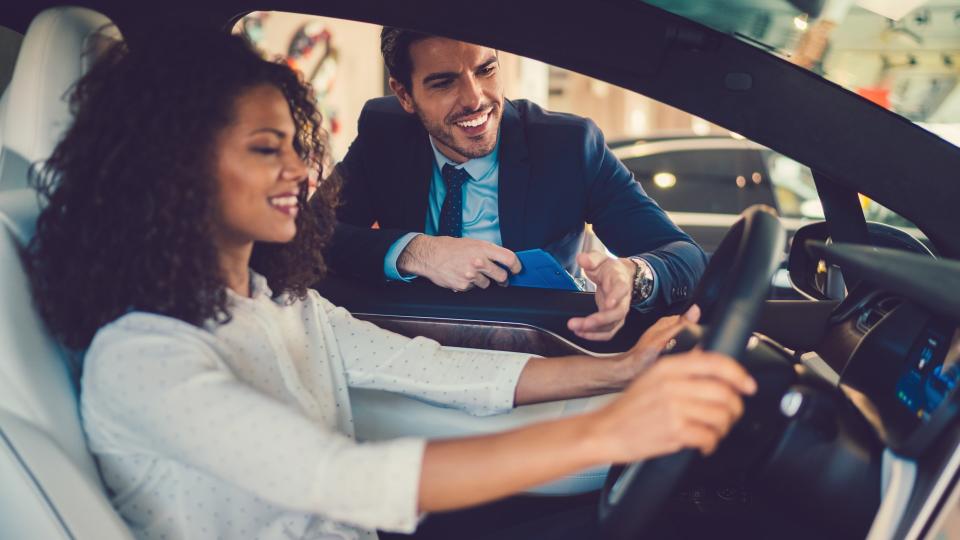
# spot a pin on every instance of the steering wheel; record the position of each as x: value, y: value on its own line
x: 730, y: 294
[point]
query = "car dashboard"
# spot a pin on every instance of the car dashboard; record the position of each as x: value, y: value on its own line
x: 894, y: 343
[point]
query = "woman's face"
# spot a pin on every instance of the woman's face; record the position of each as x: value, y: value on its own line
x: 258, y: 171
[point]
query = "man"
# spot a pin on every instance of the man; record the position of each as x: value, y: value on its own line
x: 458, y: 179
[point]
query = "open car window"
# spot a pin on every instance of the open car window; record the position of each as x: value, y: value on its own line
x: 700, y: 173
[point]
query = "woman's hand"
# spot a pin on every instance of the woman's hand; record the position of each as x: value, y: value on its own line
x: 656, y: 337
x: 688, y: 400
x: 648, y: 348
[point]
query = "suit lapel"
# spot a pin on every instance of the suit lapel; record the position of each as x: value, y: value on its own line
x: 414, y: 190
x: 514, y: 177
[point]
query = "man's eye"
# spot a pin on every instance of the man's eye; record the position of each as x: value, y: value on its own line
x: 488, y: 70
x: 266, y: 150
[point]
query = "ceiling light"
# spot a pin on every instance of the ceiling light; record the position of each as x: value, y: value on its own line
x: 699, y: 126
x: 800, y: 21
x: 664, y: 180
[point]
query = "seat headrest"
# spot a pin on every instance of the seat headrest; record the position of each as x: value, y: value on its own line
x: 58, y: 48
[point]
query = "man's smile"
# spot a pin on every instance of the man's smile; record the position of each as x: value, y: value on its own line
x: 477, y: 120
x: 477, y: 123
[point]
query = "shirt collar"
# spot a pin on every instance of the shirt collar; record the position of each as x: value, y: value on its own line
x: 477, y: 168
x: 258, y: 286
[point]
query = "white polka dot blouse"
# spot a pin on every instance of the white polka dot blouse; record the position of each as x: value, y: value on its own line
x: 244, y: 429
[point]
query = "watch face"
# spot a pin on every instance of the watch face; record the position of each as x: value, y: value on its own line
x: 646, y: 287
x: 643, y: 280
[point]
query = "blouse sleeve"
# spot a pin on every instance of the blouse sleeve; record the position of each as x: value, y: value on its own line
x: 476, y: 381
x: 162, y: 390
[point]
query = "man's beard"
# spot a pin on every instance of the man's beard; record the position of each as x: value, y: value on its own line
x: 443, y: 132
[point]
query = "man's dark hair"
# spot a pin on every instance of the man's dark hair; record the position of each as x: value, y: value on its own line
x: 395, y: 45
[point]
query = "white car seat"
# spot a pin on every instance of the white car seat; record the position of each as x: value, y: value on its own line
x: 3, y: 108
x: 13, y: 167
x: 50, y: 486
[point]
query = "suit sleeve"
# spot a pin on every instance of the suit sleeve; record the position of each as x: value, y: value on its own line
x: 356, y: 250
x: 630, y: 223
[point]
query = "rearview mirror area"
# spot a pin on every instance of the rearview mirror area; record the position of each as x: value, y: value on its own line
x: 816, y: 279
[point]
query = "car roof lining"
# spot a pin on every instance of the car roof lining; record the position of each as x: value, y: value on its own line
x: 675, y: 61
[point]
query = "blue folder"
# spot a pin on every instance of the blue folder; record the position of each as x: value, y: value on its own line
x: 541, y: 270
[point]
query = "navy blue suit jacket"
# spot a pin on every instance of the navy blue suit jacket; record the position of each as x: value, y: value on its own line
x: 556, y: 173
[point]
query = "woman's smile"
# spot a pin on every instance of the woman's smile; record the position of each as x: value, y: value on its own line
x: 286, y: 203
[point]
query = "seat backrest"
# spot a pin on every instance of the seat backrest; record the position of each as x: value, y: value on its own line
x: 36, y: 382
x: 58, y: 47
x: 3, y: 109
x: 50, y: 486
x: 13, y: 167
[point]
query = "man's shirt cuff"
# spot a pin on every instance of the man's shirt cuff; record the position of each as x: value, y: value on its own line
x: 390, y: 260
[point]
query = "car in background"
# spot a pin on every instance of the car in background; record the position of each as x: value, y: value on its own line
x: 705, y: 183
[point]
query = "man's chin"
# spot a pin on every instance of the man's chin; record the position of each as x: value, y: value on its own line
x: 477, y: 148
x: 476, y: 153
x: 469, y: 147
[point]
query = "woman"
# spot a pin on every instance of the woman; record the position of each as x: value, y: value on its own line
x: 214, y: 387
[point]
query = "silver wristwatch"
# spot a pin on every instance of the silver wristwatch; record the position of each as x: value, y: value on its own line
x: 642, y: 281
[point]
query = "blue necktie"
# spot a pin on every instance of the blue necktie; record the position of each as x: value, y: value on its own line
x: 451, y: 213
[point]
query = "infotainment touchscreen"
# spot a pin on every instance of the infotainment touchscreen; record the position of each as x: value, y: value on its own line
x: 906, y: 370
x: 931, y: 371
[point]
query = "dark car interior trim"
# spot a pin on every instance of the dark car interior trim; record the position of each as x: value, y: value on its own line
x: 498, y: 336
x: 844, y: 217
x: 933, y: 283
x: 543, y: 309
x: 797, y: 324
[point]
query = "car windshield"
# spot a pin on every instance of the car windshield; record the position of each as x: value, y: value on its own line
x: 900, y: 54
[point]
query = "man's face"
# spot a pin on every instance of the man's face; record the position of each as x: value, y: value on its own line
x: 456, y: 92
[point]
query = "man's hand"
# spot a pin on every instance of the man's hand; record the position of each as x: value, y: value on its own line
x: 457, y: 263
x: 614, y: 279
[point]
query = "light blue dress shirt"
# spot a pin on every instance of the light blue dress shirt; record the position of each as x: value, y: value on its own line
x: 481, y: 213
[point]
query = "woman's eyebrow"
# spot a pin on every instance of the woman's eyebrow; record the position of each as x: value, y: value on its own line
x: 279, y: 133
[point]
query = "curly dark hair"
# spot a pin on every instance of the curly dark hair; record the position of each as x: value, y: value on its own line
x: 131, y: 191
